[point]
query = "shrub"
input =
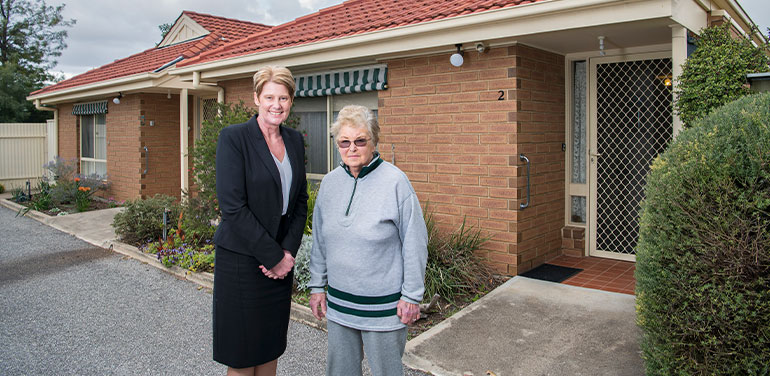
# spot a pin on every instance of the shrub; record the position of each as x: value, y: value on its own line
x: 703, y: 257
x: 197, y: 215
x: 18, y: 195
x: 142, y: 220
x: 204, y: 153
x: 62, y: 169
x: 452, y: 267
x: 42, y: 200
x: 2, y: 188
x: 715, y: 73
x: 312, y: 194
x: 302, y: 263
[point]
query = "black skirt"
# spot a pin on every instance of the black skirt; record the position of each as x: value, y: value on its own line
x: 250, y: 311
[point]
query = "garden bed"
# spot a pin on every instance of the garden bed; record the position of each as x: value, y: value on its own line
x: 63, y: 209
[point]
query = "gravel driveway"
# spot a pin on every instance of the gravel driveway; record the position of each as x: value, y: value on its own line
x: 69, y: 308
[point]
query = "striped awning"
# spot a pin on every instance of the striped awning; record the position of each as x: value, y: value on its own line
x: 91, y: 108
x: 342, y: 82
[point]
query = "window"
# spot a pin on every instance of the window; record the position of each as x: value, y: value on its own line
x: 93, y: 145
x: 578, y: 187
x: 316, y: 115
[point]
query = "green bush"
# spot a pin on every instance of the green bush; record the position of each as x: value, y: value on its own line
x: 302, y: 263
x: 42, y: 201
x: 453, y: 269
x: 197, y: 215
x: 703, y: 257
x: 142, y: 220
x: 2, y: 188
x: 204, y: 153
x: 715, y: 73
x: 312, y: 194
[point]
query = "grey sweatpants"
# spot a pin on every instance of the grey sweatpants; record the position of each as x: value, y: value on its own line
x: 346, y: 351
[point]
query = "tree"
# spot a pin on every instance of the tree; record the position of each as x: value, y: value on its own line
x: 715, y: 73
x: 32, y: 35
x: 164, y: 29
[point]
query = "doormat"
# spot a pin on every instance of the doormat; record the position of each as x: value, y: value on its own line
x: 552, y: 273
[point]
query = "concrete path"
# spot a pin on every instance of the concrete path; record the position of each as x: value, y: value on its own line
x: 532, y: 327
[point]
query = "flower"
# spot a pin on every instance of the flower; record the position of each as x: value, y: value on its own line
x: 77, y: 180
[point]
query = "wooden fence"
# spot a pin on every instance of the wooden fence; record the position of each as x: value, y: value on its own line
x: 24, y: 149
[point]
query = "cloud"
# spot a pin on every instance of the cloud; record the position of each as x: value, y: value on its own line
x: 110, y: 29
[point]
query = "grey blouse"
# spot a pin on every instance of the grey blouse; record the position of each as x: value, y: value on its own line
x: 284, y: 169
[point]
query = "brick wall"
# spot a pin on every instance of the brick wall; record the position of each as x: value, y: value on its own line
x: 573, y: 241
x: 459, y: 145
x: 540, y: 136
x: 162, y: 140
x: 69, y: 133
x: 239, y: 90
x: 123, y: 162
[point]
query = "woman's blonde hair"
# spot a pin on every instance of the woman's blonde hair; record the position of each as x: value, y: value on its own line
x: 356, y: 116
x: 279, y: 75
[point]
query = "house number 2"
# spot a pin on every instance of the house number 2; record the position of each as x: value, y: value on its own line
x: 502, y: 95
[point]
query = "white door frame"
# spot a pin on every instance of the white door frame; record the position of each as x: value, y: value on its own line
x: 592, y: 147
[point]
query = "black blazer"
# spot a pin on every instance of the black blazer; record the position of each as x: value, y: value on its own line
x: 249, y: 193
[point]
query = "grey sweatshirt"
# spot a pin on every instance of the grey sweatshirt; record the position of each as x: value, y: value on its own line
x: 375, y: 254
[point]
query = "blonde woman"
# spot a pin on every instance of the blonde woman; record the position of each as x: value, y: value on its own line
x: 261, y: 190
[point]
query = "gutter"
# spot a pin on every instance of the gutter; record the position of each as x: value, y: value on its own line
x: 40, y: 107
x: 444, y: 26
x: 198, y: 85
x: 96, y: 85
x: 764, y: 76
x: 745, y: 18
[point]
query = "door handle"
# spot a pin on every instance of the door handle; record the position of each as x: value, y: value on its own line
x: 524, y: 158
x: 146, y: 160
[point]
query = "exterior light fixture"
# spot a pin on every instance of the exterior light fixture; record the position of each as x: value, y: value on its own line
x: 457, y: 58
x: 116, y: 100
x: 666, y: 79
x: 601, y: 46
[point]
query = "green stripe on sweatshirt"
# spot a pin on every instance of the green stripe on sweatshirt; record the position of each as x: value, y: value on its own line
x: 361, y: 313
x: 358, y: 299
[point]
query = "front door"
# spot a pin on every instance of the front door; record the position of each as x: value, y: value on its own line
x: 630, y: 123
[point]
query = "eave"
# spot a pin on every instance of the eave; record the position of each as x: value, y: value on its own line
x: 143, y: 82
x: 501, y: 26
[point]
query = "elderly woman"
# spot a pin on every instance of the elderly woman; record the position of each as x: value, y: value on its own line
x: 262, y: 195
x: 369, y: 252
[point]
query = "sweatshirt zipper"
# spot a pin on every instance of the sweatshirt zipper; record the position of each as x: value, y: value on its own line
x: 355, y: 184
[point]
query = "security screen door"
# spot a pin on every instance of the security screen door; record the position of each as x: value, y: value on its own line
x: 630, y: 123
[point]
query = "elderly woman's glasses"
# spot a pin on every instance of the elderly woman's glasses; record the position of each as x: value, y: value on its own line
x: 360, y: 142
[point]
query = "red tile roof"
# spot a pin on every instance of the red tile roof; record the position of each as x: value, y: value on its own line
x: 231, y: 38
x: 222, y: 30
x: 349, y: 18
x: 228, y: 28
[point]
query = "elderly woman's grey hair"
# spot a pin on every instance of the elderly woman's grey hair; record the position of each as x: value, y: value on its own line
x: 355, y: 116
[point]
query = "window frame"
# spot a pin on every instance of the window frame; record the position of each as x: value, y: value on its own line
x: 93, y: 159
x: 333, y: 104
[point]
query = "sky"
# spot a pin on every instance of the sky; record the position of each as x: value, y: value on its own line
x: 107, y: 30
